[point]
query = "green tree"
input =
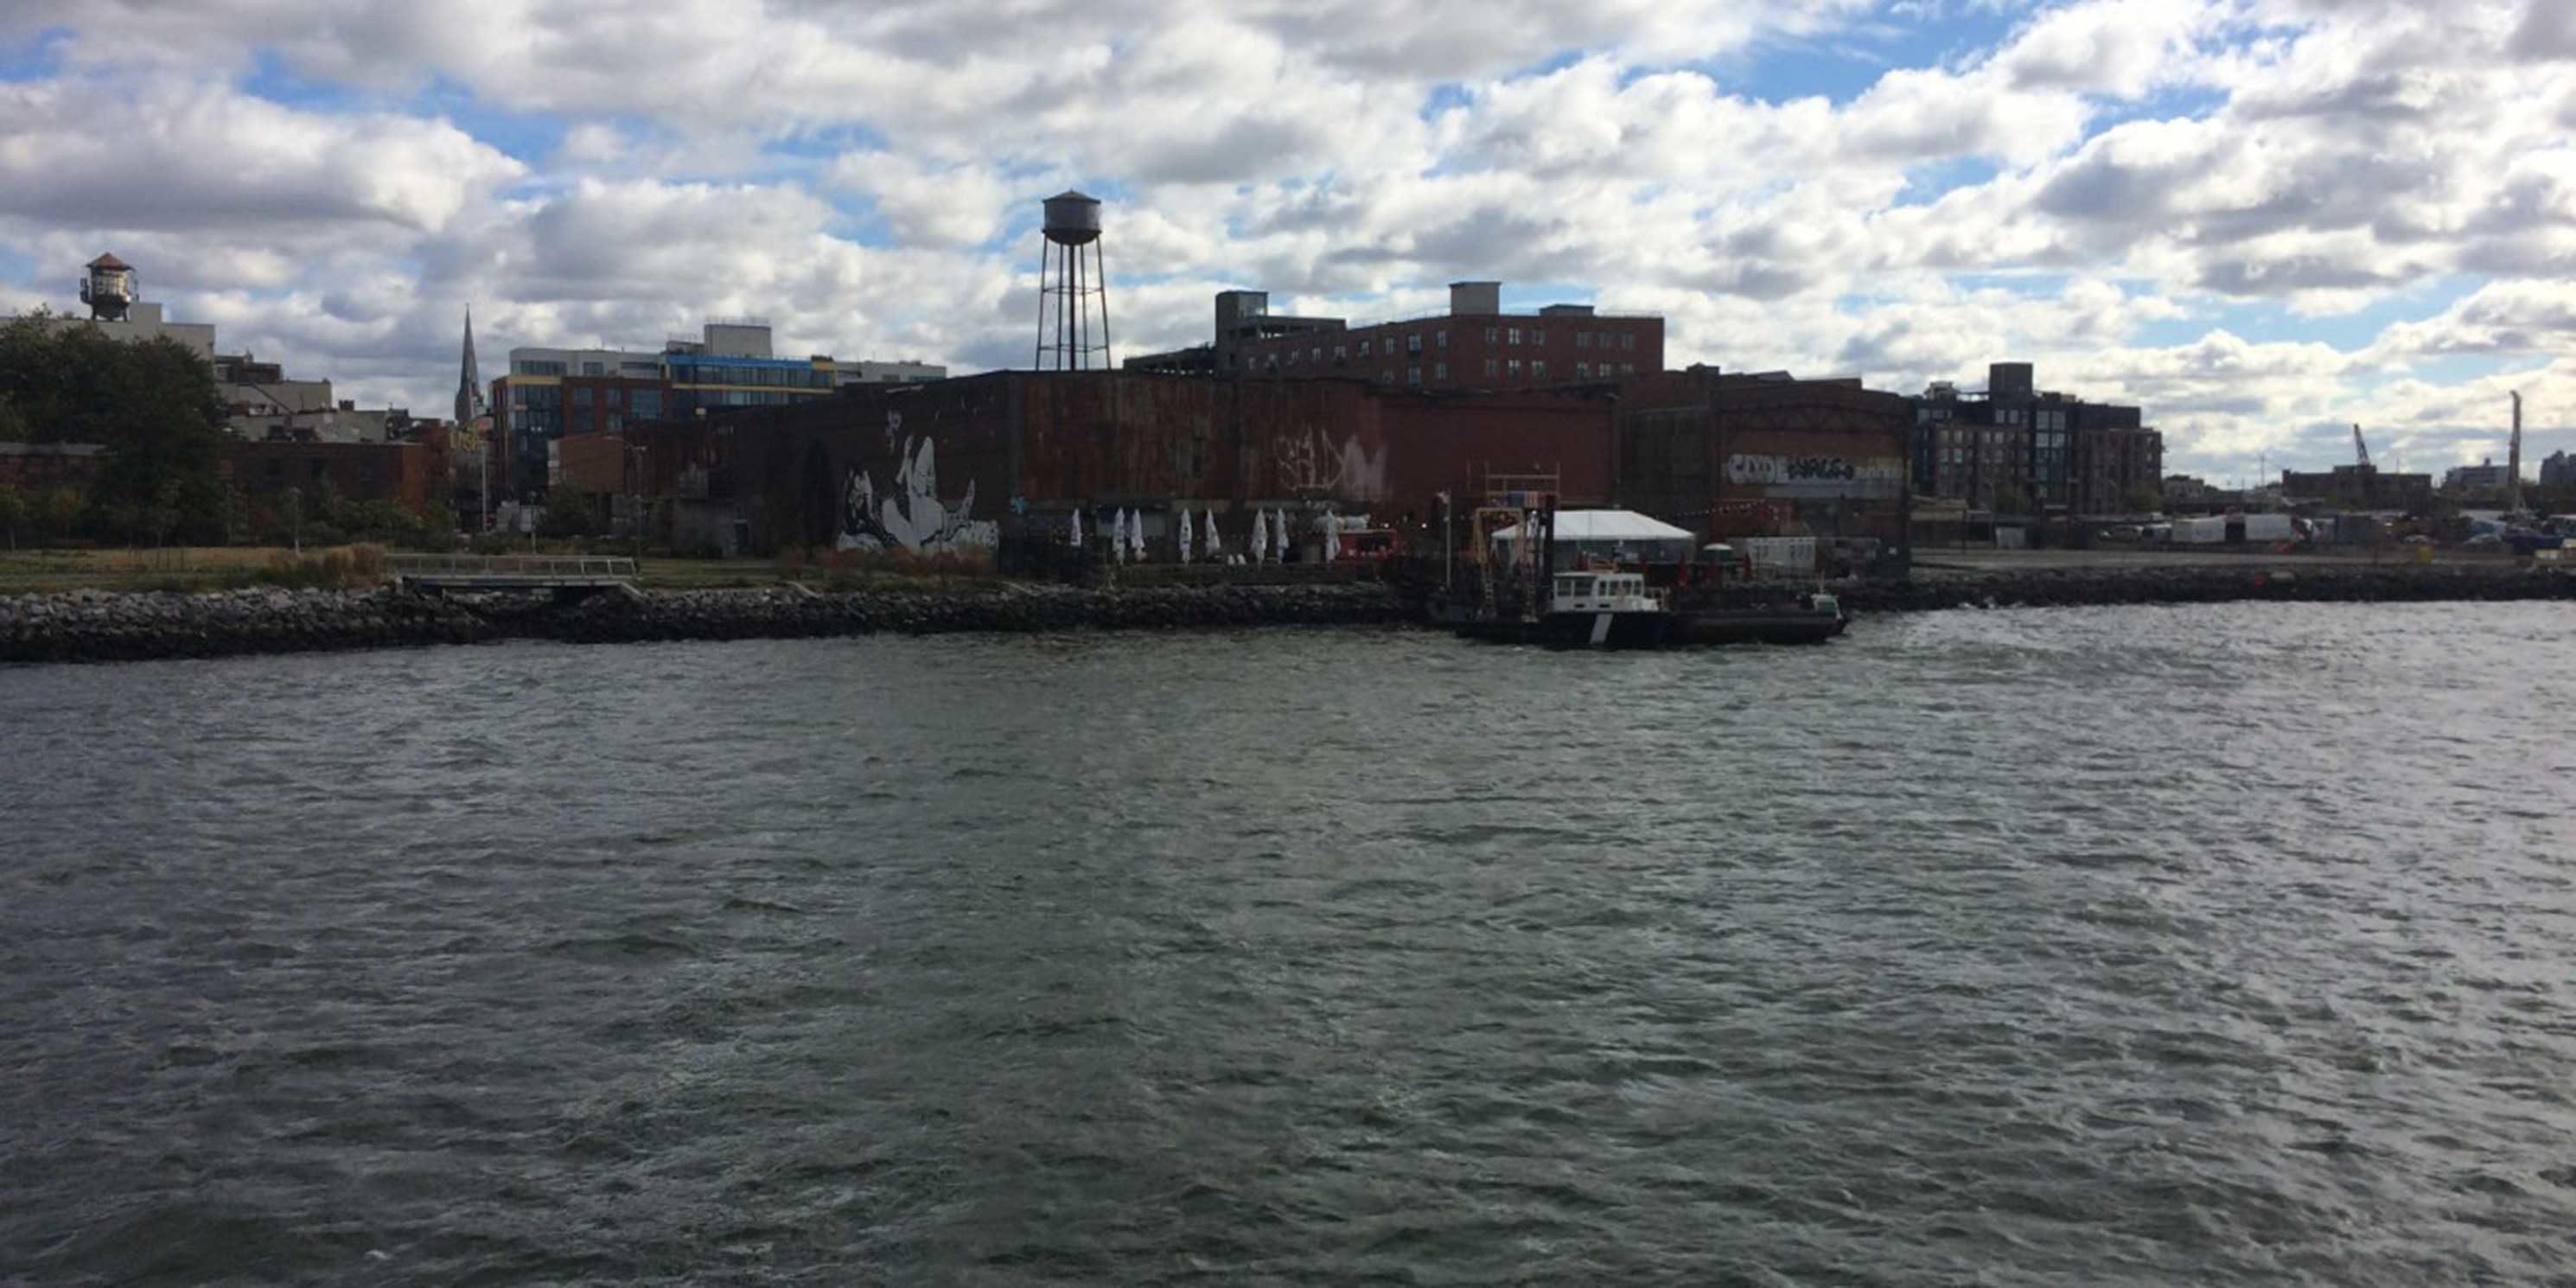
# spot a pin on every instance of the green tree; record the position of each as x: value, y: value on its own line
x: 153, y: 405
x: 570, y: 512
x: 13, y: 423
x: 62, y: 510
x: 13, y: 511
x: 2143, y: 499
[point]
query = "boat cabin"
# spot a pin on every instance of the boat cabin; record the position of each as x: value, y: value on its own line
x: 1602, y: 592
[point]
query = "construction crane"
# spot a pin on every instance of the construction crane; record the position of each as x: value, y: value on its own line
x: 2360, y: 448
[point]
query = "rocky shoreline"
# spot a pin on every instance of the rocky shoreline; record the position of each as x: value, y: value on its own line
x: 99, y: 626
x: 2210, y: 584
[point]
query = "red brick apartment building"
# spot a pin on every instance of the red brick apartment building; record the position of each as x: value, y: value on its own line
x: 1475, y: 345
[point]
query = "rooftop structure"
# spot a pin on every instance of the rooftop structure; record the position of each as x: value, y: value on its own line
x: 1474, y: 345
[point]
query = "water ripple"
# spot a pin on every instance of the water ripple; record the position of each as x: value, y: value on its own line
x: 2227, y: 944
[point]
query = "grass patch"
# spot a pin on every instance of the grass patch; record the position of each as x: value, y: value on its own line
x: 189, y: 568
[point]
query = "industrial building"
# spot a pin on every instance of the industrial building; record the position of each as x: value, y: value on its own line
x: 1475, y: 345
x: 2040, y: 452
x: 2486, y: 481
x: 1732, y: 455
x: 412, y: 475
x: 550, y: 393
x: 2360, y: 486
x: 967, y: 463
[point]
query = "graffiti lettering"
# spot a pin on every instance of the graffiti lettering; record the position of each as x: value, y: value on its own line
x: 1811, y: 471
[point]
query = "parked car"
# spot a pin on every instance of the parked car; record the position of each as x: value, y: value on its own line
x: 2125, y: 532
x: 2484, y: 541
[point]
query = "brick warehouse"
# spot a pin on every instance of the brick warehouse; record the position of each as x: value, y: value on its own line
x: 1743, y: 455
x: 962, y: 461
x: 410, y: 475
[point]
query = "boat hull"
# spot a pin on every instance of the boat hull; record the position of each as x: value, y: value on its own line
x: 1758, y: 626
x: 1576, y: 630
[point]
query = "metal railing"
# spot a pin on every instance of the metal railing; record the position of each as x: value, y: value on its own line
x: 512, y: 565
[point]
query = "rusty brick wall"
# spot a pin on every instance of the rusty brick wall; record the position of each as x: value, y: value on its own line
x: 1040, y: 443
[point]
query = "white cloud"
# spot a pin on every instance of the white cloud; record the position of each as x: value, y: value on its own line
x: 855, y: 172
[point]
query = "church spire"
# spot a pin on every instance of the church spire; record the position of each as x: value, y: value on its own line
x: 469, y: 382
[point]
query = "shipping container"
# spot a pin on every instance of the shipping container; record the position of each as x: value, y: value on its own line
x: 2268, y: 528
x: 2207, y: 530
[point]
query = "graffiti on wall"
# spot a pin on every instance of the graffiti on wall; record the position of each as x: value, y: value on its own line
x: 1310, y: 465
x: 1817, y: 476
x: 908, y: 513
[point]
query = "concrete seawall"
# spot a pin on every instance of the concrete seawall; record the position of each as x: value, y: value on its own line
x: 96, y: 626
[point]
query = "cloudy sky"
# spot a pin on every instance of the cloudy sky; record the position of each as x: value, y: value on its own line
x: 2262, y: 220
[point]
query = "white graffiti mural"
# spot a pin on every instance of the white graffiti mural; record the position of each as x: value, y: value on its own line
x: 909, y: 514
x: 1310, y: 465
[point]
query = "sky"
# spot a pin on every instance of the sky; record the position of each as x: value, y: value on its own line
x: 2263, y: 221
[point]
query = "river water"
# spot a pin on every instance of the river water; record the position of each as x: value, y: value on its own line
x: 2217, y: 945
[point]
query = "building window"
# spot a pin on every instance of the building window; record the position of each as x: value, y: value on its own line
x: 1538, y: 336
x: 1627, y: 368
x: 1538, y: 369
x: 1443, y: 340
x: 1583, y: 371
x: 1317, y: 355
x: 1413, y: 374
x: 580, y: 397
x: 591, y: 369
x: 1493, y: 367
x: 1292, y: 357
x: 1386, y: 376
x: 1515, y: 335
x: 1628, y: 341
x: 1516, y: 368
x: 1440, y: 370
x: 1491, y: 333
x: 1583, y: 339
x: 1413, y: 343
x: 1364, y: 348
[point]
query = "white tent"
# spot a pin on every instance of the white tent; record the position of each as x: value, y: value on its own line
x: 1214, y: 546
x: 1260, y: 544
x: 1118, y: 536
x: 1279, y: 535
x: 1613, y: 534
x: 1182, y: 534
x: 1076, y: 516
x: 1136, y: 535
x: 1332, y: 539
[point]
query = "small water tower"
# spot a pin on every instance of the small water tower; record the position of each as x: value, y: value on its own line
x: 1073, y: 289
x: 109, y: 289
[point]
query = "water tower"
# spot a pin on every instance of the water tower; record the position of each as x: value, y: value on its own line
x: 1073, y: 290
x: 109, y: 289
